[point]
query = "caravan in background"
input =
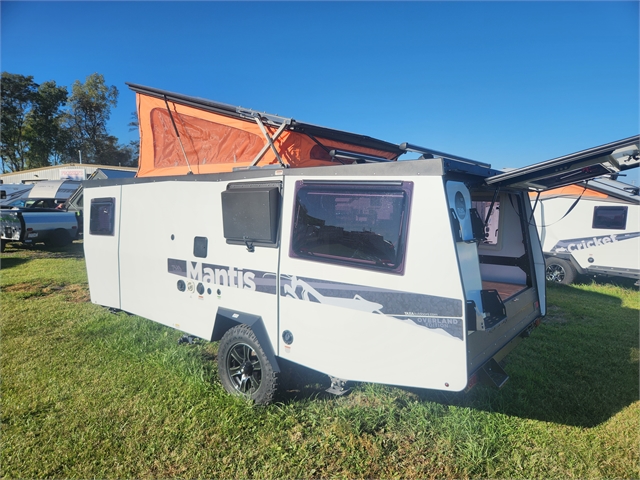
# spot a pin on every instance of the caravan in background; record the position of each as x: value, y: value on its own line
x: 590, y: 228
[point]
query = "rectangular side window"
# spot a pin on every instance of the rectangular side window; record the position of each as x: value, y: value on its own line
x: 610, y: 217
x: 102, y: 216
x: 362, y: 225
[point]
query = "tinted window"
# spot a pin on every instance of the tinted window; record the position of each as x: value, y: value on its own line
x: 610, y: 217
x: 361, y: 225
x: 102, y: 216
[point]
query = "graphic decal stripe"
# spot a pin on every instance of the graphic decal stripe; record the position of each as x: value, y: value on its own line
x: 428, y: 311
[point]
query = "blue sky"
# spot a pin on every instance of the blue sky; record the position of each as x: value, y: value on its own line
x: 508, y: 83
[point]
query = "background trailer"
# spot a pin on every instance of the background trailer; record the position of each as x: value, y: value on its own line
x: 590, y: 228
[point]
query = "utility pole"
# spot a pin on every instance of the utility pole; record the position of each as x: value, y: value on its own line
x: 80, y: 155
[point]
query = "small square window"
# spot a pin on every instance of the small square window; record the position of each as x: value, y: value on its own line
x: 102, y: 216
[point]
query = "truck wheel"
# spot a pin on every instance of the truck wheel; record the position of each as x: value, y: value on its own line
x: 244, y: 368
x: 560, y: 271
x: 59, y: 238
x: 3, y: 244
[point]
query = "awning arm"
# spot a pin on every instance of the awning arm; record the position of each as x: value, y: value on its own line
x: 270, y: 141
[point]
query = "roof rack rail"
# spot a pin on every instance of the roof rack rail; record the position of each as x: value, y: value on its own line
x: 409, y: 147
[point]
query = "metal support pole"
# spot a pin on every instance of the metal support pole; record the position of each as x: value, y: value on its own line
x: 269, y: 142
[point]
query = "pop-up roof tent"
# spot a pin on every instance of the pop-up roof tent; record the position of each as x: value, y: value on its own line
x: 180, y: 134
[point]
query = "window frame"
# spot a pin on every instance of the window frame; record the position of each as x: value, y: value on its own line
x: 96, y: 202
x: 351, y: 188
x: 602, y: 208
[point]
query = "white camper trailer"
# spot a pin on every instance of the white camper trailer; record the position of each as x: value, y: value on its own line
x: 590, y: 228
x: 10, y: 192
x: 45, y: 194
x: 282, y: 239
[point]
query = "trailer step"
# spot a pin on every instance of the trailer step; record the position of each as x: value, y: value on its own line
x: 493, y: 374
x: 338, y: 386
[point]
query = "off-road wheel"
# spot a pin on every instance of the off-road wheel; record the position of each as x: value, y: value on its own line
x: 560, y: 271
x: 59, y: 238
x: 244, y: 368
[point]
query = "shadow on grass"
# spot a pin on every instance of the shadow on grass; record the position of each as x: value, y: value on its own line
x: 579, y: 368
x: 300, y: 383
x: 629, y: 283
x: 9, y: 262
x: 295, y: 382
x: 16, y: 253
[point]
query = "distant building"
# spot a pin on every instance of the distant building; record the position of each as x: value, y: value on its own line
x: 68, y: 171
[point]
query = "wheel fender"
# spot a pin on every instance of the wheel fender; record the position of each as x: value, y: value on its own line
x: 227, y: 319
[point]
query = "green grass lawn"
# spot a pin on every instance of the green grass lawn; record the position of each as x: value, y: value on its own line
x: 87, y: 393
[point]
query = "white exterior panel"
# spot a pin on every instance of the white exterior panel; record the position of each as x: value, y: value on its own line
x: 357, y: 335
x: 102, y: 251
x: 168, y: 235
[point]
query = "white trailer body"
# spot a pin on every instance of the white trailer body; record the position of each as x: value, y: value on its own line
x: 345, y: 316
x: 372, y: 271
x: 590, y: 228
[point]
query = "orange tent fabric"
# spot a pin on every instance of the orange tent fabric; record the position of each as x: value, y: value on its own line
x: 570, y: 191
x: 214, y: 142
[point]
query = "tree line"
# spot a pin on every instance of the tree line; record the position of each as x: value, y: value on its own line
x: 43, y: 124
